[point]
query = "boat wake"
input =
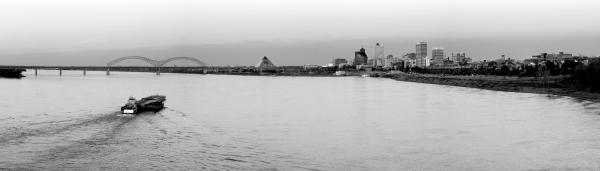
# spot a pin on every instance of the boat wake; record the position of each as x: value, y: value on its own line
x: 57, y: 140
x: 49, y: 128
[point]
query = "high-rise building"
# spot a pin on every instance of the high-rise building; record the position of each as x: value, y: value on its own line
x: 421, y: 54
x: 360, y: 57
x: 422, y: 62
x: 421, y: 50
x: 378, y: 55
x: 437, y: 55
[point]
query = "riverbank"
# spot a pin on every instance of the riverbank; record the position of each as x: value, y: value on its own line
x: 555, y: 85
x: 552, y: 85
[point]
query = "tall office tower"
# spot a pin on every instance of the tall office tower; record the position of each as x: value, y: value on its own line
x: 421, y: 50
x: 360, y: 57
x: 378, y: 55
x: 437, y: 55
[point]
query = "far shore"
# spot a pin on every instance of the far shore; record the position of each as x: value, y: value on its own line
x: 540, y: 85
x: 552, y: 85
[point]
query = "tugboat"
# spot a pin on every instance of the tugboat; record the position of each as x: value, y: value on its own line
x: 151, y: 103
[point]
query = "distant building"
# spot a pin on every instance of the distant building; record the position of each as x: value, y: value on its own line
x: 461, y: 59
x: 410, y: 56
x: 410, y: 63
x: 372, y: 62
x: 563, y: 55
x: 344, y: 65
x: 378, y: 55
x: 364, y: 67
x: 336, y: 62
x: 410, y: 60
x: 422, y: 62
x: 265, y: 64
x: 311, y: 67
x: 392, y: 61
x: 554, y: 57
x: 437, y: 55
x: 421, y: 54
x: 458, y: 57
x: 360, y: 57
x: 450, y: 63
x: 421, y: 50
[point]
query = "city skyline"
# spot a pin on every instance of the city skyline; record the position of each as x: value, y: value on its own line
x: 295, y: 52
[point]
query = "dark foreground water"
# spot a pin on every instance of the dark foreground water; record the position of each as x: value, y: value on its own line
x: 288, y: 123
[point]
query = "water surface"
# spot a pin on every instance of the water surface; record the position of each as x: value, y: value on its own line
x: 225, y: 122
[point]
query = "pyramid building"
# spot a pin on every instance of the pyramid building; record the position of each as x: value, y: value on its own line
x: 265, y: 63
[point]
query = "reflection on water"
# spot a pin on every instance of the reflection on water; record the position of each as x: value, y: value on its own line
x: 288, y: 123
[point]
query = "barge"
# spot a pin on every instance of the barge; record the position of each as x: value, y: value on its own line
x: 153, y: 103
x: 12, y: 73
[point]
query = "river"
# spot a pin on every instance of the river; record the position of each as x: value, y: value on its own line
x: 225, y: 122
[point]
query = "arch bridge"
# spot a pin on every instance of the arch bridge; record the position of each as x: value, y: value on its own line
x: 154, y: 63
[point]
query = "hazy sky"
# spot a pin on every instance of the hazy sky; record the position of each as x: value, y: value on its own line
x: 63, y: 26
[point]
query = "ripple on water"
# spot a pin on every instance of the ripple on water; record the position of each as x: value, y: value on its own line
x: 290, y: 123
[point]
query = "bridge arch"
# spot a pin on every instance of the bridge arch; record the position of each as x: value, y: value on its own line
x: 163, y: 62
x: 145, y: 59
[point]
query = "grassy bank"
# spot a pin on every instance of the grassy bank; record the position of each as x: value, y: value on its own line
x: 556, y: 85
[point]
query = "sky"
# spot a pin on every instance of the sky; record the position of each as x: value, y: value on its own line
x: 291, y: 32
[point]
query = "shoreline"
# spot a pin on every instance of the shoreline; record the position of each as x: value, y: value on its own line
x: 552, y: 85
x: 537, y: 85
